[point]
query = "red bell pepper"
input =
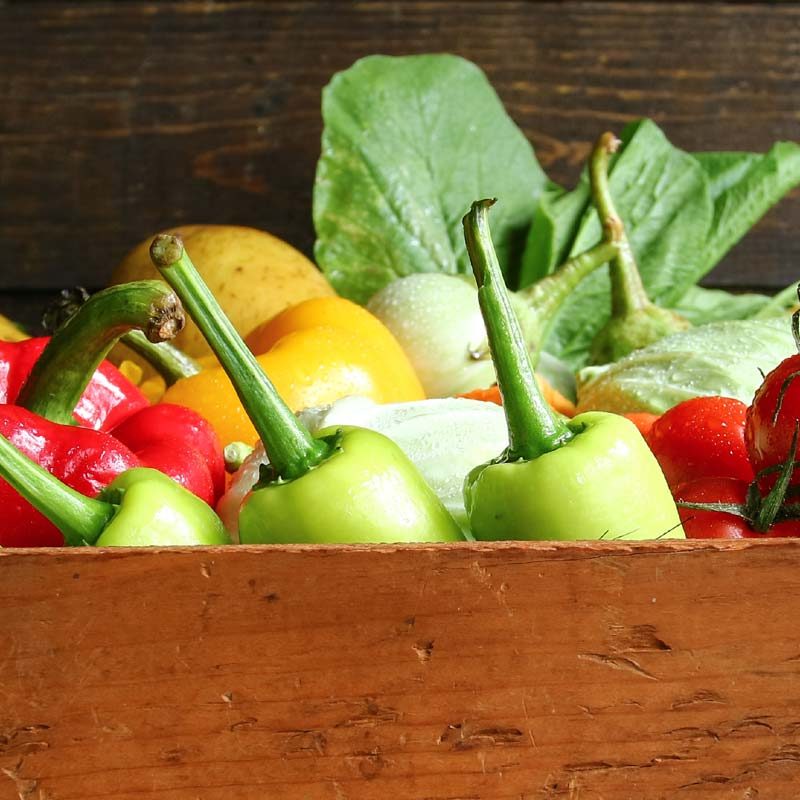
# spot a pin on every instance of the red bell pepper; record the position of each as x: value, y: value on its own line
x: 108, y: 399
x: 172, y: 439
x: 84, y: 459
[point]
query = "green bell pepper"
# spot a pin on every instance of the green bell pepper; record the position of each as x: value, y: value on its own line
x: 139, y: 508
x: 591, y: 477
x: 349, y: 485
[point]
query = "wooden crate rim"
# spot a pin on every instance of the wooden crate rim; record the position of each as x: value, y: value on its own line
x: 550, y: 549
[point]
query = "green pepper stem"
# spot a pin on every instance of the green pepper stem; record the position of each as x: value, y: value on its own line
x: 291, y: 449
x: 627, y: 290
x: 75, y: 350
x: 167, y: 360
x: 81, y: 519
x: 533, y: 428
x: 547, y: 295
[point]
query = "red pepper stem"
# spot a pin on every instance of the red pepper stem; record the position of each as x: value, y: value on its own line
x: 81, y: 519
x: 292, y: 450
x: 75, y: 350
x: 627, y: 290
x: 170, y: 362
x: 533, y: 428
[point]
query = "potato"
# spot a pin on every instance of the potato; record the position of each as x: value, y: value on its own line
x: 253, y: 275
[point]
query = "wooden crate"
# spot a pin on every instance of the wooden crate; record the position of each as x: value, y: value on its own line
x: 512, y: 671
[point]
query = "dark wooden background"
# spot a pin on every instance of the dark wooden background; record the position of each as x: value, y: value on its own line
x: 120, y: 118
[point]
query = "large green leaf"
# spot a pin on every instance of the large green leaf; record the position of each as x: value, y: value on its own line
x: 554, y: 226
x: 409, y: 142
x: 744, y: 187
x: 700, y: 305
x: 663, y: 197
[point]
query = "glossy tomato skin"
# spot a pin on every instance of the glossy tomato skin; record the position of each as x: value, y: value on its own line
x: 768, y: 443
x: 702, y: 438
x: 700, y: 524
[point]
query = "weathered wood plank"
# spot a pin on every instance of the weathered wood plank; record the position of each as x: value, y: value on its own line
x: 120, y: 119
x: 26, y: 308
x: 503, y: 671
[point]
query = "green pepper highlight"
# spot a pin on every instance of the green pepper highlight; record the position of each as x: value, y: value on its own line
x: 351, y: 485
x: 76, y: 349
x: 635, y: 320
x: 591, y: 477
x: 139, y: 508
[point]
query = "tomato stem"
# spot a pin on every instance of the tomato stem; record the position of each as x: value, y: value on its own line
x: 768, y: 508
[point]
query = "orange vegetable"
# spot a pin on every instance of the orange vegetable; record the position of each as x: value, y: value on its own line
x: 315, y: 353
x: 643, y: 420
x: 556, y: 400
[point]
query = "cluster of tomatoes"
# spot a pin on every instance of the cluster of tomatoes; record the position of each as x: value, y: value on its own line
x: 732, y: 467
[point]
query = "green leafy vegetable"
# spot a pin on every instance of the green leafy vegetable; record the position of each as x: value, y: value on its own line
x: 784, y: 302
x: 722, y: 358
x: 553, y: 229
x: 662, y: 195
x: 700, y: 305
x: 744, y: 186
x: 408, y: 143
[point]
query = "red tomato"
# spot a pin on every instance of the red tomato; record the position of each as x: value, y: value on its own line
x: 702, y: 438
x: 768, y: 442
x: 700, y: 524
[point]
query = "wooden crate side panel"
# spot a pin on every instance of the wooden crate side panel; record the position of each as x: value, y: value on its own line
x: 521, y: 672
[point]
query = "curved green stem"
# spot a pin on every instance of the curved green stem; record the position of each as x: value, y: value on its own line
x: 75, y: 350
x: 167, y: 360
x: 548, y: 294
x: 170, y: 362
x: 533, y: 428
x: 627, y: 290
x: 292, y: 450
x: 81, y: 519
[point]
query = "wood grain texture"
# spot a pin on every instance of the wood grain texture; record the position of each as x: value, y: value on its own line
x: 596, y: 671
x: 122, y: 118
x: 26, y: 307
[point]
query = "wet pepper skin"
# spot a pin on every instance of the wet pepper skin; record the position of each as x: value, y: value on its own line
x: 108, y: 399
x: 154, y: 511
x: 346, y: 498
x: 140, y: 508
x: 43, y: 380
x: 602, y: 484
x: 590, y: 477
x: 84, y: 459
x: 175, y: 441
